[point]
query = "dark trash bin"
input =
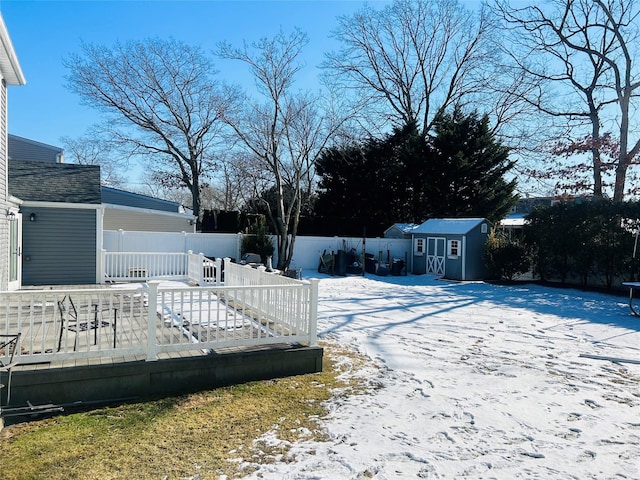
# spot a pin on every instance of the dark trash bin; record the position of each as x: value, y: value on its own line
x: 397, y: 266
x: 340, y: 263
x: 370, y: 263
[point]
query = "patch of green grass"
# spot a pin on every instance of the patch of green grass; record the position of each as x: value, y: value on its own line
x: 203, y: 435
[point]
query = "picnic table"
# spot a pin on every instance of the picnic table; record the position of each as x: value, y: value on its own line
x: 633, y: 286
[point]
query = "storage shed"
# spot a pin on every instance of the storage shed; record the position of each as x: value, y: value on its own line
x: 451, y: 247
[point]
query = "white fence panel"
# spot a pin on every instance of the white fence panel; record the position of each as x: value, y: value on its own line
x: 306, y: 255
x: 219, y: 245
x: 307, y: 250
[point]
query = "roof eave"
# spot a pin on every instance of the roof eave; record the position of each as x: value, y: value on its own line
x: 9, y: 65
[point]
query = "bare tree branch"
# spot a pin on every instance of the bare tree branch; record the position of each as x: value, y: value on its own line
x: 163, y: 99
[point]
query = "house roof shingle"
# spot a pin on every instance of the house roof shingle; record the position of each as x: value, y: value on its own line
x: 55, y: 182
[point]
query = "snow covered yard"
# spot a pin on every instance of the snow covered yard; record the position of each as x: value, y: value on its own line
x: 471, y: 380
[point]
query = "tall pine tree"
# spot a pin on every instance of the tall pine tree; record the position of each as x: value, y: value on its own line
x: 404, y: 177
x: 374, y: 184
x: 467, y: 168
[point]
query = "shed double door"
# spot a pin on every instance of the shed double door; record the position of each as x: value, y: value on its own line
x: 435, y: 255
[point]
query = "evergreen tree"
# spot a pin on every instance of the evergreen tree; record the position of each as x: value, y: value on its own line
x: 374, y: 184
x: 467, y: 167
x: 405, y: 177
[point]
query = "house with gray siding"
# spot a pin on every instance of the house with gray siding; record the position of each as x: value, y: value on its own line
x: 62, y: 221
x: 65, y: 210
x: 452, y: 248
x: 10, y: 74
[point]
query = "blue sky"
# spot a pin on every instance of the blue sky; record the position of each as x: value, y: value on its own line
x: 45, y: 32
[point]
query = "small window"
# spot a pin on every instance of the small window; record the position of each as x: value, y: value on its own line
x: 419, y: 246
x: 484, y: 228
x: 454, y: 248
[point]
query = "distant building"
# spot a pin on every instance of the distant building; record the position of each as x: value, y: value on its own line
x: 21, y: 148
x: 400, y: 230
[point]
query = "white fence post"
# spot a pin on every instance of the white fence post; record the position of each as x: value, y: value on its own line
x: 152, y: 350
x: 227, y: 261
x: 239, y: 247
x: 218, y: 270
x: 313, y: 312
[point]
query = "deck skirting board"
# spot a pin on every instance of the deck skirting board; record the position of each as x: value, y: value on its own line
x: 140, y: 379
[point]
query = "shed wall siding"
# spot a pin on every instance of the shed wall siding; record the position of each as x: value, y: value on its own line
x: 476, y: 240
x: 453, y: 266
x: 4, y: 194
x: 59, y: 247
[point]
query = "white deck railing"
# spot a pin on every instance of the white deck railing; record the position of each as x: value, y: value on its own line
x: 142, y: 266
x: 150, y: 320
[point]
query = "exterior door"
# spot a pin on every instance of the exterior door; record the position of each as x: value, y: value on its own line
x: 15, y: 252
x: 435, y: 255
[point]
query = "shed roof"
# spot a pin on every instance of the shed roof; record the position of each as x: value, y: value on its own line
x: 55, y: 182
x: 403, y: 227
x: 449, y: 226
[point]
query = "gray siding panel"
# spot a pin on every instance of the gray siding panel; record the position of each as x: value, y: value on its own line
x: 59, y: 247
x: 25, y: 149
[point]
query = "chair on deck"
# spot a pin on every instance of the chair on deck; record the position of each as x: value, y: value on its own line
x: 9, y: 344
x: 70, y: 321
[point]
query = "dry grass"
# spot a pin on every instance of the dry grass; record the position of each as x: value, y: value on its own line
x: 199, y: 436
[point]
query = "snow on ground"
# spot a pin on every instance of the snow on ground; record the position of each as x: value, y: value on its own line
x: 477, y: 381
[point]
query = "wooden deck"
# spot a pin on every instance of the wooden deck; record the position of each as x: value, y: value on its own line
x: 92, y: 344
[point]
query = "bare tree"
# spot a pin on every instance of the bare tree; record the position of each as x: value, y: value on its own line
x: 411, y: 60
x: 585, y: 49
x: 163, y: 100
x: 91, y: 149
x: 283, y: 132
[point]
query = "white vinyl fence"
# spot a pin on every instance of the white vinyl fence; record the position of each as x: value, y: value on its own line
x: 307, y: 249
x: 147, y: 321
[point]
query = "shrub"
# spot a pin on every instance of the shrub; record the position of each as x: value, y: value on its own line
x: 257, y: 240
x: 505, y: 258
